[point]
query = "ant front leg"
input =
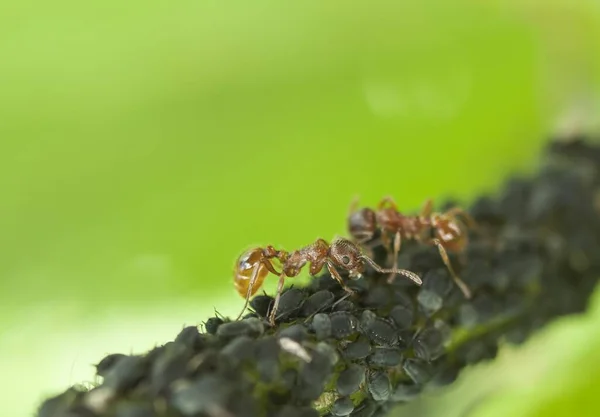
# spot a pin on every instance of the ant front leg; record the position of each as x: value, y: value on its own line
x: 459, y: 282
x: 336, y: 275
x: 277, y: 297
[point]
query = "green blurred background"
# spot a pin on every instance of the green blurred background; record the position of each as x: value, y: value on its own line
x: 145, y: 145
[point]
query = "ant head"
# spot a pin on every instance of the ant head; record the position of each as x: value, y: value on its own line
x: 345, y: 254
x: 362, y: 224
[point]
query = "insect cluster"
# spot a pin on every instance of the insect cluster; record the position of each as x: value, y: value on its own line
x: 367, y: 227
x: 361, y: 353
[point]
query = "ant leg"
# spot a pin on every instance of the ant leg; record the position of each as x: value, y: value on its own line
x: 469, y: 220
x: 336, y: 275
x: 253, y: 279
x: 427, y: 208
x: 277, y: 297
x: 408, y: 274
x: 353, y: 205
x: 388, y: 200
x: 397, y: 243
x: 459, y: 282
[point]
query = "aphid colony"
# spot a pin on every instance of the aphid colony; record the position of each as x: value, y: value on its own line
x: 443, y: 230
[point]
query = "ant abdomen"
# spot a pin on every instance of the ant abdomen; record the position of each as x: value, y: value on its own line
x: 245, y: 267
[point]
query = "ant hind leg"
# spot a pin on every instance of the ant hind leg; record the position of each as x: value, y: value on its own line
x: 459, y: 282
x: 253, y: 279
x: 277, y: 297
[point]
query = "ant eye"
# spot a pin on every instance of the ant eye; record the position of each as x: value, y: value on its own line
x: 345, y: 260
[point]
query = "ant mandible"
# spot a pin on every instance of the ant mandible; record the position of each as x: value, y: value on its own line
x: 254, y: 265
x: 442, y: 230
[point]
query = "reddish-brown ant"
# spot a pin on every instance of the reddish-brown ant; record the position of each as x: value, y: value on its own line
x: 254, y: 265
x: 442, y: 230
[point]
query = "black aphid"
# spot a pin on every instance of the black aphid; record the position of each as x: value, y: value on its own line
x: 290, y: 303
x: 295, y: 332
x: 240, y: 349
x: 190, y: 337
x: 344, y: 305
x: 319, y: 301
x: 212, y: 324
x: 130, y: 371
x: 418, y: 370
x: 429, y: 344
x: 342, y: 406
x: 107, y: 363
x: 170, y: 366
x: 365, y: 409
x: 359, y: 349
x: 262, y: 304
x: 378, y: 329
x: 350, y: 379
x: 405, y: 392
x: 321, y: 325
x: 402, y: 316
x: 267, y: 358
x: 343, y: 324
x: 249, y: 327
x: 383, y: 357
x: 379, y: 386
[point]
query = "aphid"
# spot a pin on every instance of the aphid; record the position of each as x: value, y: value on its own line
x: 349, y: 379
x: 209, y: 394
x: 342, y: 406
x: 127, y: 373
x: 317, y: 302
x: 378, y: 330
x: 418, y: 370
x: 212, y: 324
x: 359, y: 349
x: 402, y: 316
x: 321, y: 325
x: 106, y: 364
x: 190, y: 337
x: 295, y: 332
x: 443, y: 230
x: 239, y: 349
x: 405, y: 392
x: 254, y: 265
x: 379, y: 386
x: 250, y: 327
x: 314, y: 374
x: 267, y: 358
x: 343, y: 324
x: 385, y: 357
x: 366, y: 409
x: 429, y: 344
x: 169, y: 367
x: 261, y: 304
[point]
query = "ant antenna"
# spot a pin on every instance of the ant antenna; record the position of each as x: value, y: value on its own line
x: 411, y: 275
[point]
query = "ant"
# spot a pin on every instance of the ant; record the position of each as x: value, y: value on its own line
x: 254, y: 265
x: 442, y: 230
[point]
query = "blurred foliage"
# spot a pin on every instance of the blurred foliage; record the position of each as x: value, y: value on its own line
x: 144, y: 145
